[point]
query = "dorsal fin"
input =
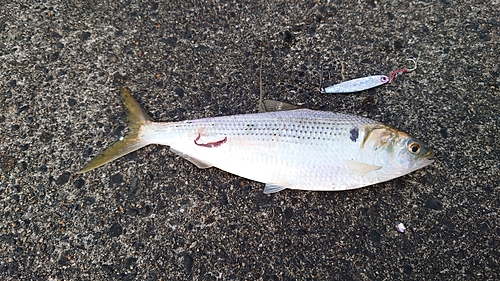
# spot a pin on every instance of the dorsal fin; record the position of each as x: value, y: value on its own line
x: 274, y: 105
x: 271, y: 105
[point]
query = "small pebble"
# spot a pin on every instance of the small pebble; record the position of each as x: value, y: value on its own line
x: 400, y: 227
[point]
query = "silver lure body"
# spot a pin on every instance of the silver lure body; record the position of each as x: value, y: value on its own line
x: 356, y: 85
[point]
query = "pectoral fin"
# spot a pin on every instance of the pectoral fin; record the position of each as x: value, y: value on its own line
x: 359, y: 168
x: 200, y: 164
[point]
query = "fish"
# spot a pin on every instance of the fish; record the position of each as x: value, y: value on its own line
x: 299, y: 148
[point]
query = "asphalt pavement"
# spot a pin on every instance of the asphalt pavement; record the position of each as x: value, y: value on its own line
x: 154, y: 216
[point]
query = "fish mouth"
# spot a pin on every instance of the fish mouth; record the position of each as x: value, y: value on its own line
x: 429, y: 155
x: 425, y: 160
x: 428, y: 158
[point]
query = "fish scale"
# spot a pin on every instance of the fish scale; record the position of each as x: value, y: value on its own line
x: 297, y: 149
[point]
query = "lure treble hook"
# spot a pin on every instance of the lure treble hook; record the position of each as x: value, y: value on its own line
x: 397, y: 72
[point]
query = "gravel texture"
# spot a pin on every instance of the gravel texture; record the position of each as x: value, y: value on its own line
x: 154, y: 216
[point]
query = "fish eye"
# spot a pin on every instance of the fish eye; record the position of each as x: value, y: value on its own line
x: 414, y: 147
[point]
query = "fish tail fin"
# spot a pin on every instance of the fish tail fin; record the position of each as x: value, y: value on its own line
x: 136, y: 119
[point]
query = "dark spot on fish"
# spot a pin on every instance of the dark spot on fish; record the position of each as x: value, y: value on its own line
x: 354, y: 134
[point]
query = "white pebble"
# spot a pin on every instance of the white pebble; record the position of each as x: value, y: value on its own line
x: 400, y: 227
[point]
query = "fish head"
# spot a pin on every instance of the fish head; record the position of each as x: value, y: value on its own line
x: 396, y: 151
x: 411, y: 154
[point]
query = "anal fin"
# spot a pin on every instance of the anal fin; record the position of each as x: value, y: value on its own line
x: 273, y: 188
x: 200, y: 164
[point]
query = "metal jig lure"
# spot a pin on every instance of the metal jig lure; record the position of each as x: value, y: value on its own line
x: 365, y: 83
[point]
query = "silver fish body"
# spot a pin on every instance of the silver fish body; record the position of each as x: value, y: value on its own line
x: 297, y: 149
